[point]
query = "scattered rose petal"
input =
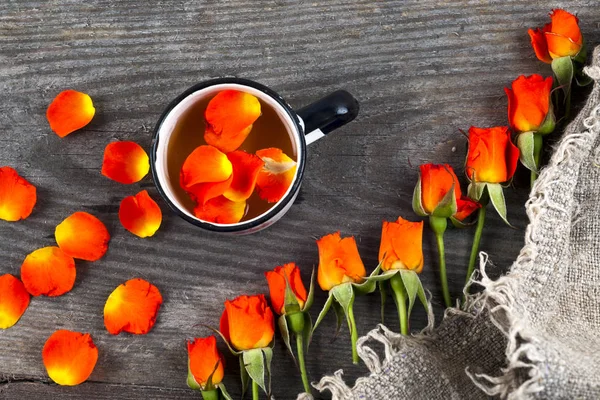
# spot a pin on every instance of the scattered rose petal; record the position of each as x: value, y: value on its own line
x: 17, y: 196
x: 82, y: 236
x: 229, y: 118
x: 48, y: 271
x: 14, y: 300
x: 140, y: 214
x: 69, y: 111
x: 132, y: 307
x: 125, y: 162
x: 276, y: 175
x: 69, y: 357
x: 221, y: 210
x: 245, y: 172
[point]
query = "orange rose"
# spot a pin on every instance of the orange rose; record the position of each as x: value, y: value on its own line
x: 339, y: 261
x: 529, y: 104
x: 436, y: 182
x: 492, y: 155
x: 247, y: 322
x: 401, y: 245
x: 276, y: 280
x: 560, y: 38
x: 205, y: 360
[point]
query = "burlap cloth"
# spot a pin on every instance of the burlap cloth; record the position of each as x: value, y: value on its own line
x: 534, y: 333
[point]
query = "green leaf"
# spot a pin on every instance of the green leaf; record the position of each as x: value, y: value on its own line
x: 581, y: 57
x: 526, y: 145
x: 307, y: 332
x: 224, y: 392
x: 416, y: 200
x: 563, y: 70
x: 411, y: 285
x: 311, y: 292
x: 191, y: 381
x: 475, y: 190
x: 244, y: 376
x: 368, y: 286
x: 339, y: 317
x: 285, y: 334
x: 323, y: 312
x: 344, y: 295
x: 257, y: 363
x: 497, y: 198
x: 383, y: 291
x: 421, y: 294
x: 447, y: 206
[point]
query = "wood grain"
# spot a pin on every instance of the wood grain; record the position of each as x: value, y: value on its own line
x: 421, y: 69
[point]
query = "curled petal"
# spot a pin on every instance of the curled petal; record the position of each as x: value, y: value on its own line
x: 565, y: 24
x: 276, y: 176
x: 465, y: 207
x: 69, y: 357
x: 538, y: 42
x: 140, y: 214
x: 206, y: 164
x: 125, y: 162
x: 17, y: 196
x: 14, y: 300
x: 203, y: 192
x: 221, y: 210
x: 560, y: 46
x: 132, y: 307
x: 229, y: 116
x: 70, y: 111
x: 82, y: 236
x: 48, y: 271
x: 245, y: 172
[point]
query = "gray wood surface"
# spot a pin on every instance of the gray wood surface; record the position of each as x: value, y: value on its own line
x: 421, y: 70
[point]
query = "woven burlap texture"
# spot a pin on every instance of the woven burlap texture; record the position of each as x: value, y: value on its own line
x: 535, y: 332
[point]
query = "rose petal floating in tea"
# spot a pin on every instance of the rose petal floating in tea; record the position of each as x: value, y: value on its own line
x: 69, y: 111
x: 140, y: 214
x: 17, y: 196
x: 221, y: 210
x: 14, y: 300
x: 203, y: 192
x: 69, y: 357
x: 206, y: 164
x: 276, y: 176
x: 48, y: 271
x: 229, y: 118
x: 82, y: 236
x: 245, y: 172
x: 132, y: 307
x: 125, y: 162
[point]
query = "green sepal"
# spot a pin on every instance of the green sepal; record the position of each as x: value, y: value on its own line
x: 191, y: 381
x: 344, y: 296
x: 218, y: 332
x: 549, y: 122
x: 460, y: 224
x: 339, y: 317
x: 212, y: 394
x: 581, y: 56
x: 307, y: 332
x: 368, y: 286
x: 245, y: 378
x: 285, y: 334
x: 526, y: 145
x: 411, y: 282
x: 257, y: 363
x: 323, y: 312
x: 290, y: 301
x: 497, y: 197
x: 397, y: 285
x: 438, y: 224
x: 583, y: 79
x: 476, y: 190
x: 224, y: 391
x: 447, y: 207
x: 416, y: 200
x: 311, y: 292
x: 383, y: 291
x: 563, y: 70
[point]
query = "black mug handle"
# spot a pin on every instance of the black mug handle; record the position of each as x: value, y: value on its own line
x: 328, y: 114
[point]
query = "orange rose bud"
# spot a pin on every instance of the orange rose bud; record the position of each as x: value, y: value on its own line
x: 205, y: 361
x: 14, y: 300
x: 229, y: 118
x: 132, y: 307
x: 221, y: 210
x: 339, y: 261
x: 277, y: 284
x: 247, y: 322
x: 436, y: 182
x: 245, y: 172
x: 48, y: 271
x: 125, y: 162
x: 17, y: 196
x: 401, y: 245
x: 276, y: 175
x: 82, y: 236
x: 465, y: 207
x: 560, y: 38
x: 140, y: 214
x: 529, y: 104
x: 69, y: 357
x: 492, y: 156
x: 70, y: 111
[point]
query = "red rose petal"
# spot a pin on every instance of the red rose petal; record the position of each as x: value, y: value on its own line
x: 69, y: 357
x: 17, y: 196
x: 276, y: 175
x: 245, y: 172
x: 82, y: 236
x: 125, y: 162
x: 221, y: 210
x: 48, y: 271
x: 14, y: 300
x: 70, y: 111
x: 140, y: 214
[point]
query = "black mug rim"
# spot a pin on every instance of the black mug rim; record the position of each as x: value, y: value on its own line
x: 273, y: 211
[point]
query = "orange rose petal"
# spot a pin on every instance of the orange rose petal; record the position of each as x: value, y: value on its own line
x: 247, y: 322
x: 276, y: 176
x: 70, y: 111
x: 132, y: 307
x: 82, y: 236
x: 561, y: 46
x: 17, y: 196
x: 203, y: 192
x: 436, y: 182
x: 69, y: 357
x: 567, y: 25
x: 465, y: 207
x: 229, y: 116
x: 205, y: 360
x: 277, y: 285
x: 140, y: 214
x: 245, y: 172
x: 48, y: 271
x: 538, y: 42
x: 339, y: 261
x: 205, y: 164
x: 14, y: 300
x: 125, y: 162
x: 221, y: 210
